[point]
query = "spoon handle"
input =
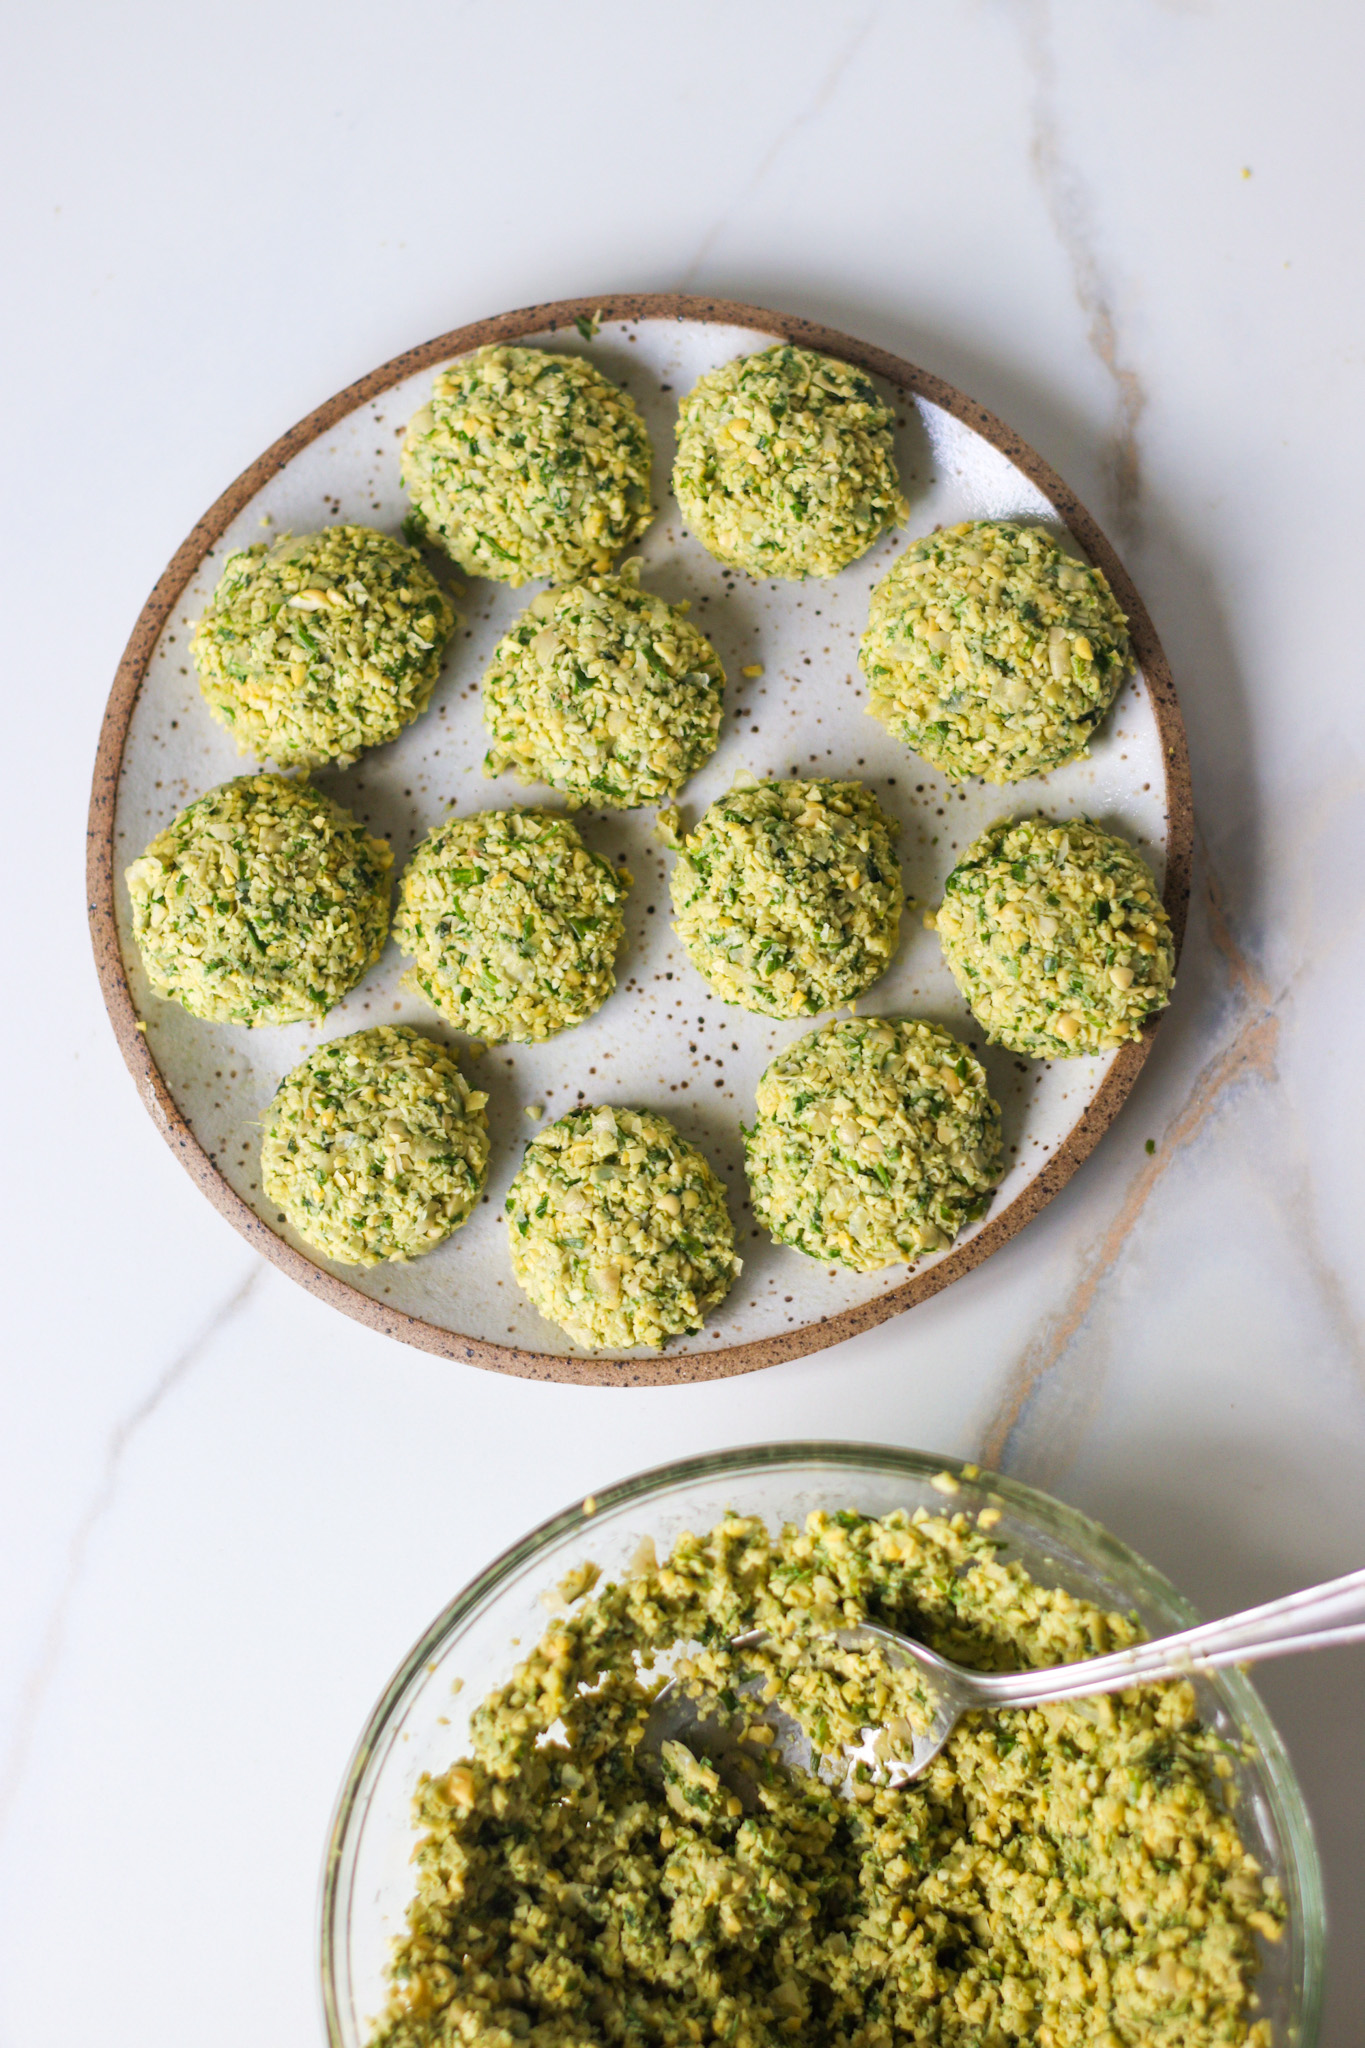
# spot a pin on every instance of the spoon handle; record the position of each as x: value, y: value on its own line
x: 1314, y: 1619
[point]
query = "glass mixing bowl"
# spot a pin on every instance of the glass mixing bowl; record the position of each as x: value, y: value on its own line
x: 422, y: 1721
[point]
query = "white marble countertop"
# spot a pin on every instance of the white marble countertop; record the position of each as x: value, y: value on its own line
x: 226, y: 1510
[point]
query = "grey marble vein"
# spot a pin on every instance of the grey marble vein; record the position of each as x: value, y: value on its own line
x: 819, y: 99
x: 125, y: 1433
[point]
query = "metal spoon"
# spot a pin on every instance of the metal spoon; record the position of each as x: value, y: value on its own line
x: 1311, y: 1620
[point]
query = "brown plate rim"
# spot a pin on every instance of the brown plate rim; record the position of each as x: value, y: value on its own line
x: 100, y: 859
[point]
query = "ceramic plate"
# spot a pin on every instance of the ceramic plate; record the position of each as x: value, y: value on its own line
x: 663, y: 1041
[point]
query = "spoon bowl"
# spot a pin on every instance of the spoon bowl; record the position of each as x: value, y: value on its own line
x: 742, y: 1741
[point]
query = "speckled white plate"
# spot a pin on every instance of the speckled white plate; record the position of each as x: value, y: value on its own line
x: 663, y: 1041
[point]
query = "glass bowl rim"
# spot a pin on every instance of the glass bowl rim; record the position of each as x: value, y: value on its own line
x: 1070, y: 1525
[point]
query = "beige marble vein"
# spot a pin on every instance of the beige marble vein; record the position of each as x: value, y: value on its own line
x: 1246, y: 1057
x: 1248, y: 1054
x: 1071, y: 214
